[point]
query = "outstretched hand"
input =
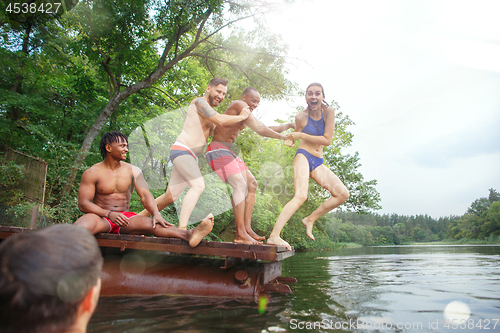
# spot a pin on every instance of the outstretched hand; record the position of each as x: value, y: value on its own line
x: 289, y: 142
x: 246, y: 112
x: 157, y: 218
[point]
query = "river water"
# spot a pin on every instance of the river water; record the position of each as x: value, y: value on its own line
x: 368, y: 289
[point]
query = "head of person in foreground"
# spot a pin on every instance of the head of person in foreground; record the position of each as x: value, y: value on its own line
x: 49, y: 280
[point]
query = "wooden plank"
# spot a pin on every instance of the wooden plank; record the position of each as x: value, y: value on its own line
x: 5, y: 228
x: 208, y: 248
x: 176, y: 245
x: 7, y: 231
x: 200, y: 250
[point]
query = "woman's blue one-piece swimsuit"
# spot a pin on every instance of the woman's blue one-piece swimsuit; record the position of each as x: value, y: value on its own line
x: 316, y: 128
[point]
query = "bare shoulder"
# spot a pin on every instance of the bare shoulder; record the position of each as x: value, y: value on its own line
x: 330, y: 110
x: 203, y: 107
x: 199, y: 102
x: 135, y: 170
x: 302, y: 116
x: 93, y: 171
x: 235, y: 107
x: 196, y: 100
x: 300, y: 121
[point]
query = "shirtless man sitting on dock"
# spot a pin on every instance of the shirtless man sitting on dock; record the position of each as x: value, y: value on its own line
x: 104, y: 197
x: 200, y: 121
x: 231, y: 169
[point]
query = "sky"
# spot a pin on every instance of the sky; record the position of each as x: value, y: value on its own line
x: 421, y: 81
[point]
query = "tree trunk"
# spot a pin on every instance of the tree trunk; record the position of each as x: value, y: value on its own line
x: 14, y: 113
x: 146, y: 83
x: 112, y: 106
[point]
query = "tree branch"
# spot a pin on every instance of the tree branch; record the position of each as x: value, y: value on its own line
x: 228, y: 63
x: 220, y: 47
x: 181, y: 31
x: 112, y: 77
x: 225, y: 25
x: 166, y: 94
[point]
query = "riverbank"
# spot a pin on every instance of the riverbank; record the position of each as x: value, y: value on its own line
x: 463, y: 241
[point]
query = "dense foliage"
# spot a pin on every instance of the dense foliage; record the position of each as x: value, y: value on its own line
x: 482, y: 220
x: 375, y: 229
x: 101, y: 65
x: 481, y: 223
x: 105, y: 65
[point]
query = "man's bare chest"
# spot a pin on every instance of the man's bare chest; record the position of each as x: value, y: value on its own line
x: 110, y: 182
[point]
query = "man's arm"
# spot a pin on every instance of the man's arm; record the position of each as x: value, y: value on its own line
x: 262, y: 129
x: 86, y: 194
x: 219, y: 119
x: 282, y: 128
x: 147, y: 199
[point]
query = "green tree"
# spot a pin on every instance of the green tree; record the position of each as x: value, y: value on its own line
x: 479, y: 207
x: 45, y: 94
x: 491, y: 225
x: 10, y: 176
x: 124, y: 39
x: 494, y: 195
x: 480, y: 220
x: 112, y: 65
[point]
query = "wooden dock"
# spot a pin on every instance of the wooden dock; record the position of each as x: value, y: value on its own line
x: 245, y: 271
x: 176, y: 245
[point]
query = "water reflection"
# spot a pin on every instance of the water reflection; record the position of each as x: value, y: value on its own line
x: 409, y: 287
x: 376, y: 289
x: 178, y: 314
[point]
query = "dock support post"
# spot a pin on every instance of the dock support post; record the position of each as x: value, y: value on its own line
x: 34, y: 217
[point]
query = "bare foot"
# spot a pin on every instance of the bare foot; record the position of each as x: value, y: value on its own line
x: 309, y: 227
x: 250, y: 240
x: 244, y: 238
x: 279, y: 242
x: 201, y: 230
x: 252, y: 234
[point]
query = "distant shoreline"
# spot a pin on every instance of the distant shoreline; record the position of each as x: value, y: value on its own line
x: 470, y: 242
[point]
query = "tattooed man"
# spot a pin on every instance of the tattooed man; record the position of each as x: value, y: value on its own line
x: 200, y: 121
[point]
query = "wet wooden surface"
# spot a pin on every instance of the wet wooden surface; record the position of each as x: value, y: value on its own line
x: 175, y: 245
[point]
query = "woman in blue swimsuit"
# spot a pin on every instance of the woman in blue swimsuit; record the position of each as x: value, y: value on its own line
x: 314, y: 127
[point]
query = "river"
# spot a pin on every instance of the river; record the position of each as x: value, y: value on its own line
x: 368, y: 289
